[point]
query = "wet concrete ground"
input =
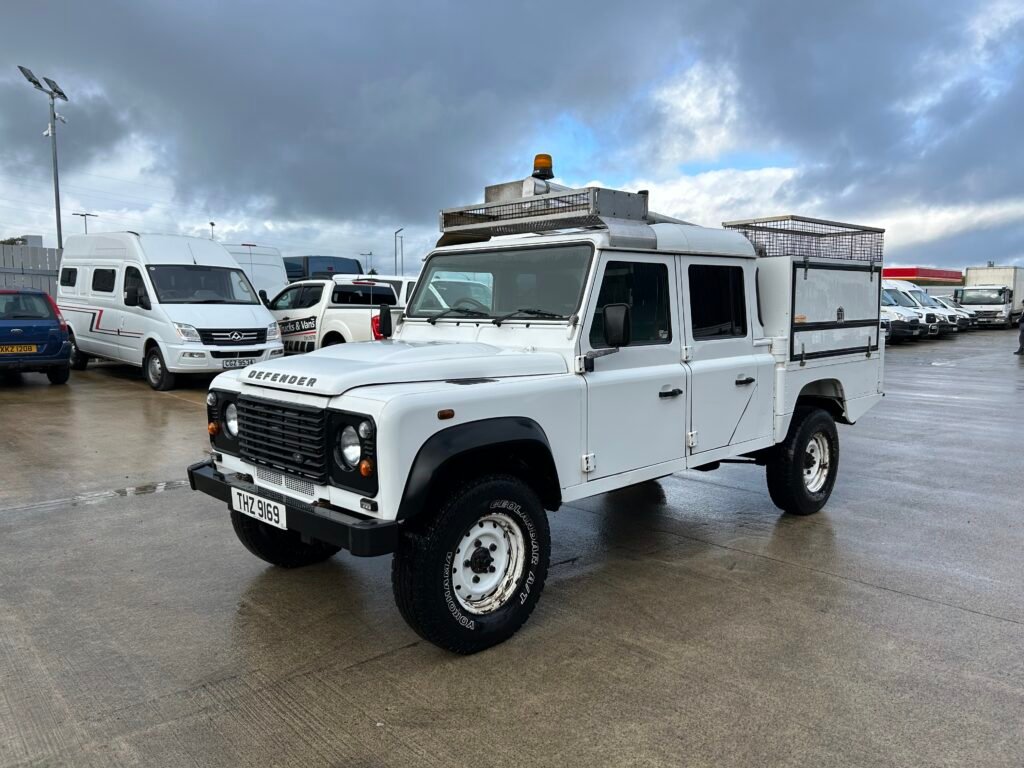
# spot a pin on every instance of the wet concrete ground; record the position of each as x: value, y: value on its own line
x: 684, y: 622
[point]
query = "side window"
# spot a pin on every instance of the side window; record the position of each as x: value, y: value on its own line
x: 133, y: 279
x: 103, y: 280
x: 68, y: 277
x: 645, y: 288
x: 311, y: 295
x: 364, y: 294
x: 718, y: 306
x: 409, y: 289
x: 287, y: 298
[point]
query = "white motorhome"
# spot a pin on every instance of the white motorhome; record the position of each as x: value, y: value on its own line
x: 320, y: 313
x: 166, y: 303
x: 615, y: 346
x: 996, y: 294
x: 264, y: 267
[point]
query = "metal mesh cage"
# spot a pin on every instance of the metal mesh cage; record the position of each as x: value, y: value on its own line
x: 804, y: 237
x: 573, y: 202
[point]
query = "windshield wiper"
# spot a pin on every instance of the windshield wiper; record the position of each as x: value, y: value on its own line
x: 463, y: 310
x: 529, y: 312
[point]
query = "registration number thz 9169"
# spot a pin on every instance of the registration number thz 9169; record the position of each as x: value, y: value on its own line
x: 267, y: 511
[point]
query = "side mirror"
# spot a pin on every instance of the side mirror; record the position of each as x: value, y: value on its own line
x: 131, y: 296
x: 264, y: 298
x: 384, y: 323
x: 616, y: 325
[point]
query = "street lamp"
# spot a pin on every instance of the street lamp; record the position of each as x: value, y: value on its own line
x: 85, y: 219
x: 400, y: 229
x: 401, y: 253
x: 54, y: 92
x: 368, y: 254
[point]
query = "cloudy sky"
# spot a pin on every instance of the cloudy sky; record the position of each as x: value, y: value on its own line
x: 321, y: 127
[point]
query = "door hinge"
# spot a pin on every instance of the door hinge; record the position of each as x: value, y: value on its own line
x: 691, y: 439
x: 687, y: 354
x: 589, y: 462
x: 580, y: 365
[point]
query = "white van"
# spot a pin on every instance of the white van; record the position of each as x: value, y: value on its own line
x: 931, y: 311
x: 168, y: 303
x: 264, y: 267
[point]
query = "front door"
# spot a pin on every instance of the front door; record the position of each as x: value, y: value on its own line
x: 636, y: 397
x: 729, y: 383
x: 134, y: 320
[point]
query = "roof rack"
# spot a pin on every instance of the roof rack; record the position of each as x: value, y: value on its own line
x: 809, y: 238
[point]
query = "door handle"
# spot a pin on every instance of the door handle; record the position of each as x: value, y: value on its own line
x: 743, y: 381
x: 671, y: 393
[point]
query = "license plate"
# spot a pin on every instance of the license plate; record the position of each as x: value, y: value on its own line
x: 239, y: 362
x: 17, y: 349
x: 267, y: 511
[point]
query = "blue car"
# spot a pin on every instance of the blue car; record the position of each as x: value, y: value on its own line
x: 33, y: 335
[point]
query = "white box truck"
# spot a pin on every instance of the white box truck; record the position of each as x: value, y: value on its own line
x: 996, y: 294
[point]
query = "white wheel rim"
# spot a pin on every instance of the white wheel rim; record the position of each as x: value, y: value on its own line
x: 489, y: 561
x: 154, y: 368
x: 816, y: 463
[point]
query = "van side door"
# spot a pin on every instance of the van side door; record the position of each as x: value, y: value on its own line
x: 636, y: 401
x: 104, y: 309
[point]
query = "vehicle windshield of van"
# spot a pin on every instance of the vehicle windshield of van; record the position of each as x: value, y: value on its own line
x: 983, y: 296
x: 897, y: 297
x: 532, y: 283
x: 197, y: 284
x: 24, y: 306
x: 925, y: 299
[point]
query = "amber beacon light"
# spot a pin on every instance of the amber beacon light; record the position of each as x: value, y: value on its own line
x: 543, y: 168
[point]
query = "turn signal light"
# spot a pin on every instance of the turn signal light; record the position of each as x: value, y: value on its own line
x: 213, y: 428
x: 365, y: 467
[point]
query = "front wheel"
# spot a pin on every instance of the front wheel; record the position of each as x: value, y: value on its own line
x: 469, y: 577
x: 157, y: 375
x: 282, y: 548
x: 802, y: 469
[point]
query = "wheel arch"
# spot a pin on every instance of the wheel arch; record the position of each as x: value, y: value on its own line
x: 827, y: 394
x: 510, y: 444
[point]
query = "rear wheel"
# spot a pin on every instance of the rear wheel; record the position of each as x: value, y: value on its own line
x: 157, y: 375
x: 802, y: 470
x: 331, y: 339
x: 469, y: 577
x: 79, y: 360
x: 282, y: 548
x: 59, y: 375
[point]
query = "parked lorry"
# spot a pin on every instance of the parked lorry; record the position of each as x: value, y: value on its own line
x: 320, y: 313
x: 166, y: 303
x: 615, y: 346
x: 996, y: 294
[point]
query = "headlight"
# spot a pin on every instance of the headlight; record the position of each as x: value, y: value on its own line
x: 273, y: 332
x: 187, y: 332
x: 365, y: 430
x: 231, y: 420
x: 211, y: 398
x: 350, y: 447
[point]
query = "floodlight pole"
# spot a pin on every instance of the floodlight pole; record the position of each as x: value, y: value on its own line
x: 85, y: 219
x: 396, y: 248
x: 56, y: 180
x: 370, y: 255
x: 401, y: 253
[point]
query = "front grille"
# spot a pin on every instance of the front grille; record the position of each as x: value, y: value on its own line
x: 930, y: 318
x: 290, y: 438
x: 915, y: 322
x: 229, y: 338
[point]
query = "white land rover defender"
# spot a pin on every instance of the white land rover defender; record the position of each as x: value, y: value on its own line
x: 610, y: 346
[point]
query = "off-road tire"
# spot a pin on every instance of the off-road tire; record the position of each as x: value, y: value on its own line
x: 79, y: 360
x: 785, y: 468
x: 159, y: 377
x: 282, y: 548
x: 59, y: 375
x: 421, y: 570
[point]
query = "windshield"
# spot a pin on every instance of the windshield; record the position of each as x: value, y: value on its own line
x: 196, y: 284
x: 983, y: 296
x: 925, y: 299
x: 887, y: 300
x: 547, y: 281
x: 898, y: 297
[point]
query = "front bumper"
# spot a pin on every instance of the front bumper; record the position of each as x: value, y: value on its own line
x: 360, y: 536
x: 201, y: 358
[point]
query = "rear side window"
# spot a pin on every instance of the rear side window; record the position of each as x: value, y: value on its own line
x: 68, y: 277
x: 24, y: 306
x: 364, y: 294
x: 294, y: 267
x: 718, y: 308
x: 103, y: 280
x: 645, y: 288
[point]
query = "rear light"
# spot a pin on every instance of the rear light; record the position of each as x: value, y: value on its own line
x: 375, y: 327
x: 56, y: 311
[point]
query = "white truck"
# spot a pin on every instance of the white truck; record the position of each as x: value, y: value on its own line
x: 616, y: 346
x: 996, y: 294
x: 321, y: 313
